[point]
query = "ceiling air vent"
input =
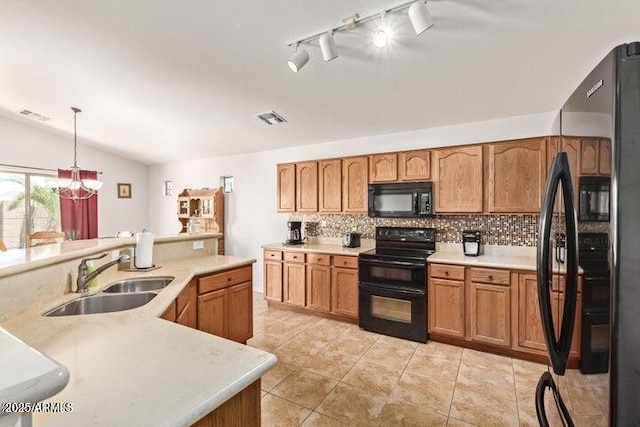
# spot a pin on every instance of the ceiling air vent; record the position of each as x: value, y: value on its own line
x: 271, y: 118
x: 34, y: 116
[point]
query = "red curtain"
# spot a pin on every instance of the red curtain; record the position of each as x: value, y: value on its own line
x: 79, y: 219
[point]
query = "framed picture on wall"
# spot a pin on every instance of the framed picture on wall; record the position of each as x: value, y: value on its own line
x: 227, y: 184
x: 124, y: 191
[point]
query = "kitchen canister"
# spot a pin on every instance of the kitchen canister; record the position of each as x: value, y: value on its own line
x: 144, y: 250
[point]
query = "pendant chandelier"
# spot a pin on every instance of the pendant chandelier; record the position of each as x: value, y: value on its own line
x: 77, y: 188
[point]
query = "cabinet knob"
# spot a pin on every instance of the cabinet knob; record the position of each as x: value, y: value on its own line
x: 491, y: 277
x: 319, y: 259
x: 228, y: 279
x: 345, y: 262
x: 446, y: 273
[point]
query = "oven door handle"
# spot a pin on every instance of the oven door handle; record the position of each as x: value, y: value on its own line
x: 379, y: 261
x: 392, y: 288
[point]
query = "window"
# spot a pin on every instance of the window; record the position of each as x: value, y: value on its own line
x: 27, y: 205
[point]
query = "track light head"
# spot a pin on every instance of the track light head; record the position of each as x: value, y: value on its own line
x: 380, y: 38
x: 420, y: 17
x: 298, y: 60
x: 328, y: 46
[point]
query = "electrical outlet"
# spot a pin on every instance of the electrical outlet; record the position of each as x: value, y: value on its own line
x: 198, y: 244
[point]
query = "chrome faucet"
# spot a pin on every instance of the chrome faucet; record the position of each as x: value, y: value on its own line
x: 84, y: 277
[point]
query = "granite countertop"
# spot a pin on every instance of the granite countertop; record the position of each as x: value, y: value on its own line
x: 324, y: 248
x: 133, y: 368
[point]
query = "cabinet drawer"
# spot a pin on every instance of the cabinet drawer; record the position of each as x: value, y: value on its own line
x: 224, y: 279
x: 273, y: 255
x: 345, y: 261
x: 487, y: 275
x: 319, y: 259
x: 445, y: 271
x: 294, y: 256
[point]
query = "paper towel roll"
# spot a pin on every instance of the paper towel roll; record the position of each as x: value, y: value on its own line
x: 144, y: 250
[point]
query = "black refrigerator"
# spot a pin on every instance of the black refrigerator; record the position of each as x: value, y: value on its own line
x: 605, y: 107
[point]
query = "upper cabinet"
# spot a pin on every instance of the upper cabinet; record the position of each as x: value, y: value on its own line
x: 414, y: 165
x: 330, y: 185
x: 307, y: 187
x: 516, y: 175
x: 383, y: 167
x: 604, y: 165
x: 287, y: 187
x: 595, y: 156
x: 354, y: 184
x: 457, y: 179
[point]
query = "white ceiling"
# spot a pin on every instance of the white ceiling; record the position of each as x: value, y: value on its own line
x: 169, y: 80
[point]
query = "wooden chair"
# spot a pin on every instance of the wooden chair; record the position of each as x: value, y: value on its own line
x: 44, y: 237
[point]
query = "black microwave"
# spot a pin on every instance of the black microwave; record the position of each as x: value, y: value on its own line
x: 403, y: 200
x: 593, y: 204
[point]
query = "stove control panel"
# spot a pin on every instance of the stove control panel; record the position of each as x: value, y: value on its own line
x: 406, y: 234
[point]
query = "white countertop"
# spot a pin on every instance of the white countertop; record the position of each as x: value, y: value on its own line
x: 132, y: 368
x: 493, y: 260
x: 18, y: 260
x: 324, y: 248
x: 26, y: 375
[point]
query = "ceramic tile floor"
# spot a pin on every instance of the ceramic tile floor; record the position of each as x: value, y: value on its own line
x: 334, y: 374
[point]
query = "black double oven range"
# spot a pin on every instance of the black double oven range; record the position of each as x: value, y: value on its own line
x: 393, y: 282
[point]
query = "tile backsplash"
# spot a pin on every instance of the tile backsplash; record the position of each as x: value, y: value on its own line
x: 510, y: 230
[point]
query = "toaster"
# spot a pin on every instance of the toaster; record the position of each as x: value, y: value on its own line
x: 351, y: 240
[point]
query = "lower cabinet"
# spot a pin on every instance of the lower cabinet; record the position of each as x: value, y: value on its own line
x: 529, y: 327
x: 319, y: 282
x: 225, y: 304
x: 183, y: 309
x: 446, y: 307
x: 490, y: 314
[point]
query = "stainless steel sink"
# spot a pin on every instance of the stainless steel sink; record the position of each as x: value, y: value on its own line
x: 140, y: 284
x: 101, y: 304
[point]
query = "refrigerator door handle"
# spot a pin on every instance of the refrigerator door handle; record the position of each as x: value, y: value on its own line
x: 558, y: 349
x: 546, y: 382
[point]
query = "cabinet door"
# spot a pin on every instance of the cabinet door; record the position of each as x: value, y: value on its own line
x: 457, y: 179
x: 557, y: 308
x: 589, y: 156
x: 212, y: 313
x: 383, y: 167
x: 240, y: 320
x: 490, y: 314
x: 330, y: 185
x: 170, y: 313
x: 307, y: 187
x: 187, y: 306
x: 516, y: 175
x: 446, y: 307
x: 605, y: 157
x: 294, y: 284
x: 414, y: 165
x: 530, y: 332
x: 319, y: 287
x: 354, y: 184
x: 273, y: 280
x: 287, y: 188
x: 344, y: 291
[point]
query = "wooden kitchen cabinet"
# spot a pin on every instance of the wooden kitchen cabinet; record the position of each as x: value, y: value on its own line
x: 330, y: 185
x: 414, y: 165
x: 529, y: 328
x: 225, y: 304
x: 383, y: 167
x: 273, y: 275
x: 355, y: 175
x: 557, y: 306
x: 589, y: 156
x: 446, y: 307
x: 319, y: 287
x: 490, y: 306
x: 294, y: 279
x: 287, y: 187
x: 307, y: 187
x: 571, y: 146
x: 516, y: 175
x: 457, y: 179
x: 187, y: 306
x: 170, y: 313
x: 604, y: 163
x: 344, y: 291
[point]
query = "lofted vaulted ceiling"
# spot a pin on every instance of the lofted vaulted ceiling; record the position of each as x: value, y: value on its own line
x: 169, y: 80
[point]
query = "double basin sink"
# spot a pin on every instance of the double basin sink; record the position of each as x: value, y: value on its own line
x: 122, y: 295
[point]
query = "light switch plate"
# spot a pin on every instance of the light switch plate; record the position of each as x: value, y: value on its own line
x: 198, y: 244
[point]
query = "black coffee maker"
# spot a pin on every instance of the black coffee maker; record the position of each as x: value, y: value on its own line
x: 294, y: 235
x: 472, y: 242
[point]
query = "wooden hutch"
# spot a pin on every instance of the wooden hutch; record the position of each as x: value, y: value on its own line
x: 207, y: 205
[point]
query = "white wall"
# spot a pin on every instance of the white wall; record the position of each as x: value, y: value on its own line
x: 250, y: 211
x: 24, y: 145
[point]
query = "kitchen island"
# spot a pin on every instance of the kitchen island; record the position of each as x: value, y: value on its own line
x: 134, y: 368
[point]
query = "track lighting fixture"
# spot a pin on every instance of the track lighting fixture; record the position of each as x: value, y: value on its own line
x: 418, y: 15
x: 298, y: 60
x: 328, y: 46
